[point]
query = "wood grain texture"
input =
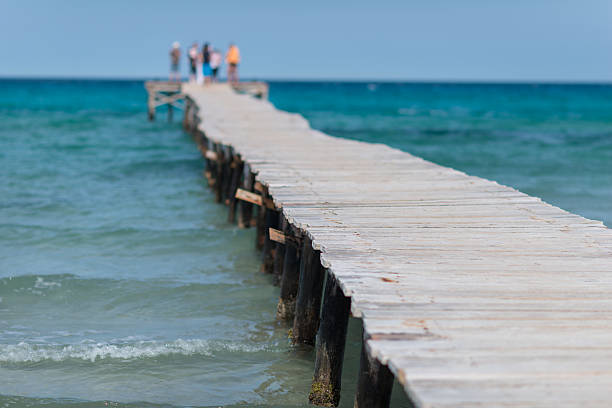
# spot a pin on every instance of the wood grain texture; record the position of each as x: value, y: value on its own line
x: 277, y: 236
x: 472, y: 293
x: 310, y: 292
x: 331, y: 340
x: 252, y: 198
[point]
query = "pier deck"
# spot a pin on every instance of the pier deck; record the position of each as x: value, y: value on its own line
x: 471, y: 293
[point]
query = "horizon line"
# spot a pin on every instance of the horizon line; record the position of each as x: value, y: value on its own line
x: 328, y: 79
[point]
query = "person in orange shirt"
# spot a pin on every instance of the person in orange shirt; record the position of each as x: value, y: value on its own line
x: 233, y: 59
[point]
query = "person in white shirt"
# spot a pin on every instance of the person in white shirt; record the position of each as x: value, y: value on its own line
x: 215, y: 64
x: 193, y: 61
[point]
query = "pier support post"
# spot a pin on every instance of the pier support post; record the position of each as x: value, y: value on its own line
x: 260, y: 237
x: 289, y: 282
x: 245, y: 208
x: 219, y: 173
x: 237, y: 166
x: 191, y: 117
x: 308, y: 302
x: 200, y: 140
x: 331, y: 340
x: 151, y: 107
x: 374, y: 384
x: 229, y: 167
x: 228, y: 158
x: 269, y: 246
x: 279, y: 253
x: 186, y: 116
x: 211, y: 165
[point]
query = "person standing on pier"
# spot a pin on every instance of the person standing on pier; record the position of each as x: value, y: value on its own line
x: 193, y: 61
x: 233, y: 59
x: 206, y: 63
x: 175, y: 57
x: 215, y: 64
x: 199, y: 73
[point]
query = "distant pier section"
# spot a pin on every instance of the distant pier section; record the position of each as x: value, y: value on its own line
x: 471, y: 293
x: 170, y: 94
x: 164, y: 93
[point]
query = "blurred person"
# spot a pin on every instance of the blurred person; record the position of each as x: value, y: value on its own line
x: 215, y: 64
x: 206, y: 69
x: 193, y: 61
x: 175, y: 57
x: 233, y: 59
x: 199, y: 73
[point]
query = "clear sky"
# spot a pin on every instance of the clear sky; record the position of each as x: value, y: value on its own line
x: 518, y: 40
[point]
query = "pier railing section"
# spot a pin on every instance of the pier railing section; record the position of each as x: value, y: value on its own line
x: 170, y: 94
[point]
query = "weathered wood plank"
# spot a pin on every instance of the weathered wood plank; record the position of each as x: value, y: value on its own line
x: 248, y: 196
x: 277, y: 236
x: 471, y: 293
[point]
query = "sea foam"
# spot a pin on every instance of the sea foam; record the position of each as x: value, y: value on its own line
x: 26, y: 352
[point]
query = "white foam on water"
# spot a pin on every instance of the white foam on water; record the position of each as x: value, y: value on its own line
x: 26, y: 352
x: 43, y: 284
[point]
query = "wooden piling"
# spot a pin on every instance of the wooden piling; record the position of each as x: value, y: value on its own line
x: 211, y: 165
x: 237, y: 170
x: 187, y: 116
x: 246, y: 208
x: 227, y: 174
x: 260, y: 237
x: 331, y: 340
x: 200, y: 141
x: 290, y: 277
x: 220, y: 173
x: 228, y: 168
x: 151, y: 106
x: 308, y: 301
x: 269, y: 247
x: 279, y: 253
x: 191, y: 118
x: 375, y: 382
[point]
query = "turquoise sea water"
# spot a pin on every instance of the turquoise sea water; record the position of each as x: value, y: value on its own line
x: 121, y: 282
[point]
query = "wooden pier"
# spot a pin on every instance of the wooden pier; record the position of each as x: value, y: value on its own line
x: 472, y: 294
x: 167, y: 93
x: 163, y: 93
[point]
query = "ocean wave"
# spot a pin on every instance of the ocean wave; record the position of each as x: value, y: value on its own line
x: 30, y: 282
x: 33, y: 353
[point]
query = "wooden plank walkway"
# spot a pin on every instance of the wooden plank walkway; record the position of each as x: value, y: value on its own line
x: 472, y: 293
x: 169, y: 94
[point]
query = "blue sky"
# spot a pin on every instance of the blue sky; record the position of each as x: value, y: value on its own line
x: 517, y: 40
